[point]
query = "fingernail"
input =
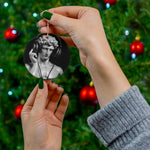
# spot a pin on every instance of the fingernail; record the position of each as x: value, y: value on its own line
x: 41, y: 83
x: 47, y: 15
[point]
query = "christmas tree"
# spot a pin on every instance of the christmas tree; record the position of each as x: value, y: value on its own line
x: 125, y: 22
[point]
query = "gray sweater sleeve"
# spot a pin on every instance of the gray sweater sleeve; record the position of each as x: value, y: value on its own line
x: 124, y: 123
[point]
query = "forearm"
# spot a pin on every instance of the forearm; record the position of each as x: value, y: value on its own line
x: 107, y: 76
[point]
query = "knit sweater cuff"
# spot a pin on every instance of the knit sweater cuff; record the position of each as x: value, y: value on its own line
x: 119, y: 116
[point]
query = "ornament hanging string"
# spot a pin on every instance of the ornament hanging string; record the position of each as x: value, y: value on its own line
x: 47, y: 29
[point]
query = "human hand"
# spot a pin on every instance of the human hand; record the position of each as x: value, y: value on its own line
x: 41, y: 122
x: 33, y: 56
x: 83, y: 25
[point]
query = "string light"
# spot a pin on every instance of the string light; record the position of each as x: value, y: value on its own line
x: 133, y: 56
x: 10, y: 93
x: 127, y: 32
x: 18, y: 147
x: 1, y: 70
x: 5, y: 4
x: 107, y: 5
x: 35, y: 14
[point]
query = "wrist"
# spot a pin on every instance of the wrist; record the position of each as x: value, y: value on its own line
x: 46, y: 147
x: 35, y: 148
x: 100, y: 56
x: 31, y: 146
x: 107, y: 76
x: 98, y: 51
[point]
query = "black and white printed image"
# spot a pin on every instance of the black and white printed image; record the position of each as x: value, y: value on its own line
x: 47, y: 56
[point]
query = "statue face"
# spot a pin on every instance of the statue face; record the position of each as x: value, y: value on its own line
x: 46, y: 51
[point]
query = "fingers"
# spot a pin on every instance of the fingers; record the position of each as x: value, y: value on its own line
x: 68, y: 11
x: 62, y: 107
x: 42, y: 23
x: 65, y: 16
x: 54, y: 30
x: 31, y: 51
x: 31, y: 98
x: 59, y: 31
x: 51, y: 88
x: 54, y: 99
x: 33, y: 56
x: 63, y: 22
x: 40, y: 99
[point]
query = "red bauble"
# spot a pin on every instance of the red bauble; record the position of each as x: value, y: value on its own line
x: 18, y: 111
x: 111, y: 2
x: 137, y: 47
x: 88, y: 95
x: 11, y: 35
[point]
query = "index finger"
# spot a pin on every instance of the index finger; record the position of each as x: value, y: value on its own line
x: 68, y: 11
x: 31, y: 98
x: 40, y: 99
x: 31, y: 51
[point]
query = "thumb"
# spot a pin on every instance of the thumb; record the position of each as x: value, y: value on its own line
x: 64, y: 22
x: 40, y: 99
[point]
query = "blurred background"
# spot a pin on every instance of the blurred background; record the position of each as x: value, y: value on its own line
x: 127, y: 27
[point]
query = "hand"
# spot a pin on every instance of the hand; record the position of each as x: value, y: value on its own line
x: 84, y: 26
x: 33, y: 56
x: 42, y: 123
